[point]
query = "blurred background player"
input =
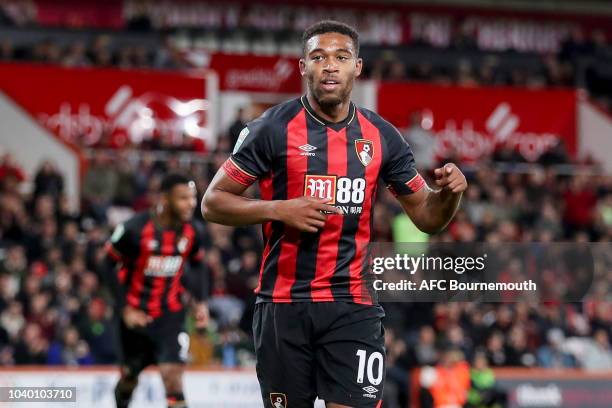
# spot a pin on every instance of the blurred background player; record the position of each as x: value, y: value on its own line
x: 316, y: 315
x: 152, y: 258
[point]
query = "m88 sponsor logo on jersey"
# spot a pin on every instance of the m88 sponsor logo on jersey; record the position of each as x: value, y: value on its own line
x: 163, y: 266
x: 344, y: 193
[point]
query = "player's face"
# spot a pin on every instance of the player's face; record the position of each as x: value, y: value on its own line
x: 330, y: 67
x: 182, y: 200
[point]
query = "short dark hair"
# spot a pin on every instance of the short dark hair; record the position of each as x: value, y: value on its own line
x: 171, y: 180
x: 330, y: 26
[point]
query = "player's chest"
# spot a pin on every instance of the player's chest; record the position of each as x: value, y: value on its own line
x: 343, y: 165
x: 164, y: 252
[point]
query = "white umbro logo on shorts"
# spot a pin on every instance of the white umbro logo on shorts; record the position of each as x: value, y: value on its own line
x: 307, y: 150
x: 370, y: 390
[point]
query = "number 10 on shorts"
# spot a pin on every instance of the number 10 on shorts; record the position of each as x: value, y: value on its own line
x: 374, y: 358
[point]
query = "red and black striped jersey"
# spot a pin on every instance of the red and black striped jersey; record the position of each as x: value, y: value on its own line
x: 153, y: 260
x: 292, y: 151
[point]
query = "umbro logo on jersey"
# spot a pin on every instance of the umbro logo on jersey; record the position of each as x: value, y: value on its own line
x: 307, y: 150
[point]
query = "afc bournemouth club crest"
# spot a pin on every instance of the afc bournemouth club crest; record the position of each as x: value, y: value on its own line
x: 365, y: 151
x: 278, y: 400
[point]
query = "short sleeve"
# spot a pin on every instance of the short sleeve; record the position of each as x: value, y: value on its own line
x: 399, y: 170
x: 120, y: 246
x: 253, y: 153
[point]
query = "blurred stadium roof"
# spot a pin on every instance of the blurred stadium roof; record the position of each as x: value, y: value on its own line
x: 557, y: 6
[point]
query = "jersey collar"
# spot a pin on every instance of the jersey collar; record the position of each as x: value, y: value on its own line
x: 323, y: 122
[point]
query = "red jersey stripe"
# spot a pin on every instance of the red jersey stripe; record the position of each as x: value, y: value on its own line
x: 327, y: 252
x: 174, y: 304
x: 137, y: 281
x: 362, y: 238
x: 297, y: 165
x: 265, y: 188
x: 159, y: 283
x: 122, y: 274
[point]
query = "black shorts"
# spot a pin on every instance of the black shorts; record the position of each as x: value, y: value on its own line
x: 164, y: 340
x: 331, y: 350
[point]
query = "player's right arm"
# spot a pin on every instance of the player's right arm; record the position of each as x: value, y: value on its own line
x: 252, y: 158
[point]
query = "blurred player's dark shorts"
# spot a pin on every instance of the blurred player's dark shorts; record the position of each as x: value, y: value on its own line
x: 333, y: 350
x: 163, y: 341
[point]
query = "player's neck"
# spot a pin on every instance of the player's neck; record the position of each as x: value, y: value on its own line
x: 331, y: 113
x: 165, y: 219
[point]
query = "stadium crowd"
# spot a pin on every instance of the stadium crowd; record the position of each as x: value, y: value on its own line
x: 103, y: 51
x: 569, y: 66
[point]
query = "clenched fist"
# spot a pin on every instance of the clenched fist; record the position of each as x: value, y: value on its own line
x: 449, y: 177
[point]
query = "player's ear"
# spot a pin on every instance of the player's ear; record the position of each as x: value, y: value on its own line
x: 358, y: 67
x: 302, y: 64
x: 165, y: 199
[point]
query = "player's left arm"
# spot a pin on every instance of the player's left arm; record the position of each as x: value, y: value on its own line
x: 197, y: 280
x: 431, y: 210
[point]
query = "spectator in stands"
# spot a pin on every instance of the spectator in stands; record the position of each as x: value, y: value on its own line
x: 424, y: 352
x: 169, y: 56
x: 99, y: 53
x: 603, y: 214
x: 12, y: 321
x: 591, y: 353
x: 31, y: 347
x: 14, y: 266
x: 397, y: 374
x: 575, y: 45
x: 98, y: 330
x: 99, y: 186
x: 421, y: 139
x: 71, y: 350
x: 496, y: 353
x: 552, y: 354
x: 457, y: 339
x: 237, y: 125
x: 580, y: 201
x: 48, y: 181
x: 483, y: 388
x: 452, y: 382
x: 76, y: 55
x: 125, y: 188
x: 517, y: 349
